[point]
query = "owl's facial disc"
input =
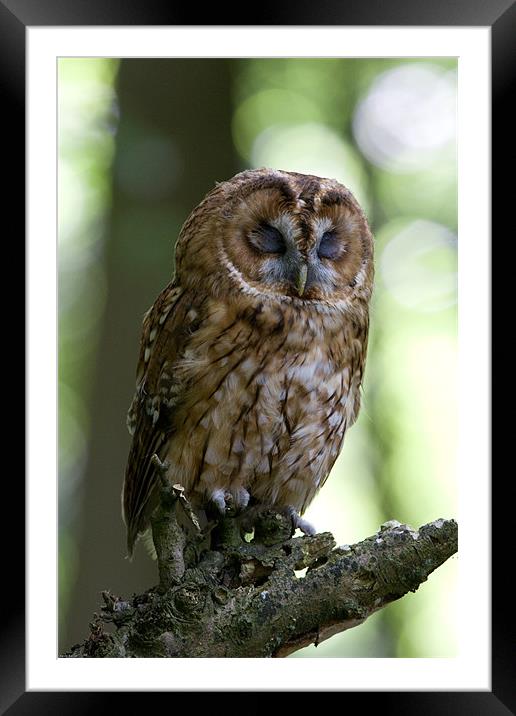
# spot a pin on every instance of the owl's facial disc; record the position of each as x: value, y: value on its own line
x: 282, y: 265
x: 297, y: 242
x: 267, y: 239
x: 289, y: 268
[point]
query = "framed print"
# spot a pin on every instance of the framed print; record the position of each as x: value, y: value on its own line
x: 131, y: 118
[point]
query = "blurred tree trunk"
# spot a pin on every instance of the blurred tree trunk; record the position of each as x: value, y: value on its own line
x: 169, y: 153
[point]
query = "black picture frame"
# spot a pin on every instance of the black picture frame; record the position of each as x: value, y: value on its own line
x: 15, y: 17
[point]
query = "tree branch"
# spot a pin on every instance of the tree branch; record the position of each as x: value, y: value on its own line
x: 222, y: 596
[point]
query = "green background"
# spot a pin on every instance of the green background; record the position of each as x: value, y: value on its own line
x: 140, y: 143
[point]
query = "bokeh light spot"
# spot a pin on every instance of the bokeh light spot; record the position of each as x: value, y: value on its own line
x: 311, y: 149
x: 408, y: 115
x: 418, y: 266
x: 267, y: 108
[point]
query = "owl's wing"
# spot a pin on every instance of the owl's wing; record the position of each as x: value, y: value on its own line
x: 359, y: 340
x: 357, y: 359
x: 149, y: 419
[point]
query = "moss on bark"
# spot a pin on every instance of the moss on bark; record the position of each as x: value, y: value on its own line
x: 244, y: 599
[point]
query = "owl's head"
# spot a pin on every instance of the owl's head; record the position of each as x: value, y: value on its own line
x: 279, y: 235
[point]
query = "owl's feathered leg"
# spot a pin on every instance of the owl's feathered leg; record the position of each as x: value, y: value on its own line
x: 224, y: 500
x: 299, y: 523
x: 256, y: 511
x: 241, y: 498
x: 218, y: 497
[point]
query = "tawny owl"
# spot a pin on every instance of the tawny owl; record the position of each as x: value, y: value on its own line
x: 252, y: 358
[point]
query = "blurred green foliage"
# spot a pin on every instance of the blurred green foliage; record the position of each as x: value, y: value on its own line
x: 86, y: 101
x: 386, y: 129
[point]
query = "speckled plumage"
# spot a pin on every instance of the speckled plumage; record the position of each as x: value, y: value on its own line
x: 248, y: 378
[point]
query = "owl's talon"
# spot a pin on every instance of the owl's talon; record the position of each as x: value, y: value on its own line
x: 299, y: 523
x: 241, y: 499
x: 306, y: 527
x: 219, y: 500
x: 227, y: 503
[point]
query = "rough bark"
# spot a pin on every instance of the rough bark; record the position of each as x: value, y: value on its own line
x: 222, y: 596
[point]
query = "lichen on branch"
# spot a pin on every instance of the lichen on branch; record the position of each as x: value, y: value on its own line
x: 220, y: 595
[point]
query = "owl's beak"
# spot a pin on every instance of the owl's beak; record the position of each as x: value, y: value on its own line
x: 301, y: 279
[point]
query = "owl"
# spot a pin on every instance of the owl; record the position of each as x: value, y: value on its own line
x: 252, y: 358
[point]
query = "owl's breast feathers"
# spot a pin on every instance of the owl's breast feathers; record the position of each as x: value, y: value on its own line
x: 253, y: 396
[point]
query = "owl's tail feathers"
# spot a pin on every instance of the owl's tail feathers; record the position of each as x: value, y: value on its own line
x: 132, y: 536
x: 131, y: 539
x: 132, y: 533
x: 138, y: 526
